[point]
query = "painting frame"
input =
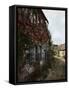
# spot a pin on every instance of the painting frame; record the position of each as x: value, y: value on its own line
x: 12, y: 44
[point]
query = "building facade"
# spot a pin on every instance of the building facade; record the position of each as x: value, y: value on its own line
x: 33, y: 34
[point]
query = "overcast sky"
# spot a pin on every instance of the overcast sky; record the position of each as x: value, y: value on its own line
x: 56, y: 25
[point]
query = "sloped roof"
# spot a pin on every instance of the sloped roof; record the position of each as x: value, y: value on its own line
x: 61, y: 47
x: 44, y: 16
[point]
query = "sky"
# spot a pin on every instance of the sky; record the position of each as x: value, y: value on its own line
x: 56, y: 25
